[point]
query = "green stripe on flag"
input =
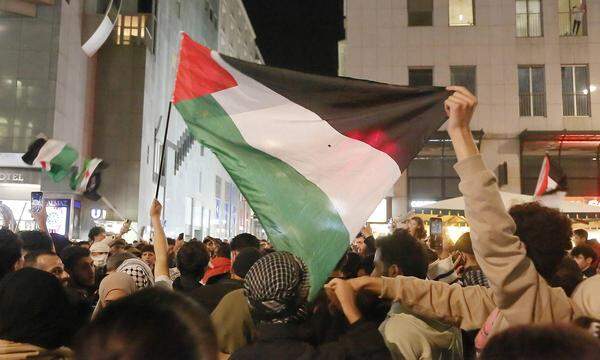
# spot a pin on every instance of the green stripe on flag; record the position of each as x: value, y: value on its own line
x: 282, y: 198
x: 60, y: 165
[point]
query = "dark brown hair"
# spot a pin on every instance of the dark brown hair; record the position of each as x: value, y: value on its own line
x: 542, y: 342
x: 420, y: 233
x: 546, y: 234
x: 150, y: 324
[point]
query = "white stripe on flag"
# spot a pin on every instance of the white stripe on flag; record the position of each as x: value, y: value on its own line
x: 48, y: 152
x: 354, y: 175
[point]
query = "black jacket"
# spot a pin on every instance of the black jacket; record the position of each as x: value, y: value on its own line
x: 286, y: 341
x: 210, y: 296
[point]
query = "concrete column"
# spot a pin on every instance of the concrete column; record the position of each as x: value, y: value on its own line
x: 400, y: 196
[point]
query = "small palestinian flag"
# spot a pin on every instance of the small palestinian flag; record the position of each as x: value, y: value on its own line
x: 312, y: 155
x: 88, y: 180
x: 552, y: 179
x: 53, y: 156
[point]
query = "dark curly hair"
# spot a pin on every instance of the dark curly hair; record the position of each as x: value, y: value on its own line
x: 406, y: 252
x: 546, y: 234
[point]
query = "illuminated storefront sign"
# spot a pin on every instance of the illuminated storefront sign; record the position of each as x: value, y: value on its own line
x: 19, y: 176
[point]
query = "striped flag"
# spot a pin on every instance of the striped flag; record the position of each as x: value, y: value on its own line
x: 312, y: 155
x: 53, y: 156
x: 88, y: 180
x: 551, y: 179
x: 58, y: 159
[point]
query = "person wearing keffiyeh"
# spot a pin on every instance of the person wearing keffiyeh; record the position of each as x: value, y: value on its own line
x: 276, y: 288
x: 472, y: 273
x: 139, y: 271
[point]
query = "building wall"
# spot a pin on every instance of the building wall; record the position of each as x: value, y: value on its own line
x: 28, y: 76
x: 118, y: 124
x: 44, y: 88
x: 236, y: 34
x: 380, y: 46
x: 188, y: 191
x: 73, y: 84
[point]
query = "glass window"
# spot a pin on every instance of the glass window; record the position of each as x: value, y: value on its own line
x: 529, y: 18
x: 532, y: 91
x: 157, y: 157
x: 420, y: 12
x: 577, y: 159
x: 572, y: 17
x: 464, y: 76
x: 431, y: 175
x: 130, y: 29
x: 461, y: 13
x: 420, y: 77
x: 218, y: 187
x: 575, y: 90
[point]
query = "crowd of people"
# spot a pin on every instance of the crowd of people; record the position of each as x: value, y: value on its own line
x: 513, y: 287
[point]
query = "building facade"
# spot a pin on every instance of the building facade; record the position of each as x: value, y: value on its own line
x: 198, y: 195
x: 113, y: 106
x: 236, y: 34
x: 533, y: 64
x: 44, y: 88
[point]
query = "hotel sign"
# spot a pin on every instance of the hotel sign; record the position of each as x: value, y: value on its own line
x: 19, y: 176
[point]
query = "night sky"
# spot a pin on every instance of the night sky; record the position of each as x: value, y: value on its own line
x: 298, y: 34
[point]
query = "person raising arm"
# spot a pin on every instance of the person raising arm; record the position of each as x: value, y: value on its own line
x: 518, y: 251
x: 161, y: 266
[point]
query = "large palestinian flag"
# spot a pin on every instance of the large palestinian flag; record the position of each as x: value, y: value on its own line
x: 313, y: 155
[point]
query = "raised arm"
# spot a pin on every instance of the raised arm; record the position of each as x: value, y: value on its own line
x: 466, y: 307
x: 161, y: 266
x: 518, y: 288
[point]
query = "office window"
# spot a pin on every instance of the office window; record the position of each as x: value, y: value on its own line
x: 130, y: 29
x: 461, y: 13
x: 420, y: 77
x: 572, y: 19
x: 218, y: 187
x: 532, y: 91
x: 464, y: 76
x: 420, y: 12
x: 529, y: 18
x: 431, y: 174
x: 575, y: 90
x: 157, y: 158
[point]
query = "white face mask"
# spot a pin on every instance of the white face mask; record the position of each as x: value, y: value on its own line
x: 99, y: 260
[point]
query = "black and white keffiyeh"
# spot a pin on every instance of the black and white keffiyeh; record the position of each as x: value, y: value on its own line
x: 139, y: 271
x: 276, y: 287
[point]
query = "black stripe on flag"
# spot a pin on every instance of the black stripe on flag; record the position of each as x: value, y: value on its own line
x: 394, y: 119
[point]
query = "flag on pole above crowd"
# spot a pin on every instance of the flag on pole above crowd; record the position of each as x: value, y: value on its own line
x: 552, y: 179
x: 313, y: 155
x: 551, y: 187
x: 57, y: 159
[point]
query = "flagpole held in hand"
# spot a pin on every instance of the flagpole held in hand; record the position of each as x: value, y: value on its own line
x: 164, y: 146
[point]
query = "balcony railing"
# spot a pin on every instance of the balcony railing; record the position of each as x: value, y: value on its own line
x: 567, y: 26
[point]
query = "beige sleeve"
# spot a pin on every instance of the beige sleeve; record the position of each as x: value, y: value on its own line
x: 466, y: 307
x: 232, y: 322
x: 520, y: 292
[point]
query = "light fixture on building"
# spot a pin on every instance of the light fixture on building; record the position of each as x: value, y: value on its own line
x: 593, y: 88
